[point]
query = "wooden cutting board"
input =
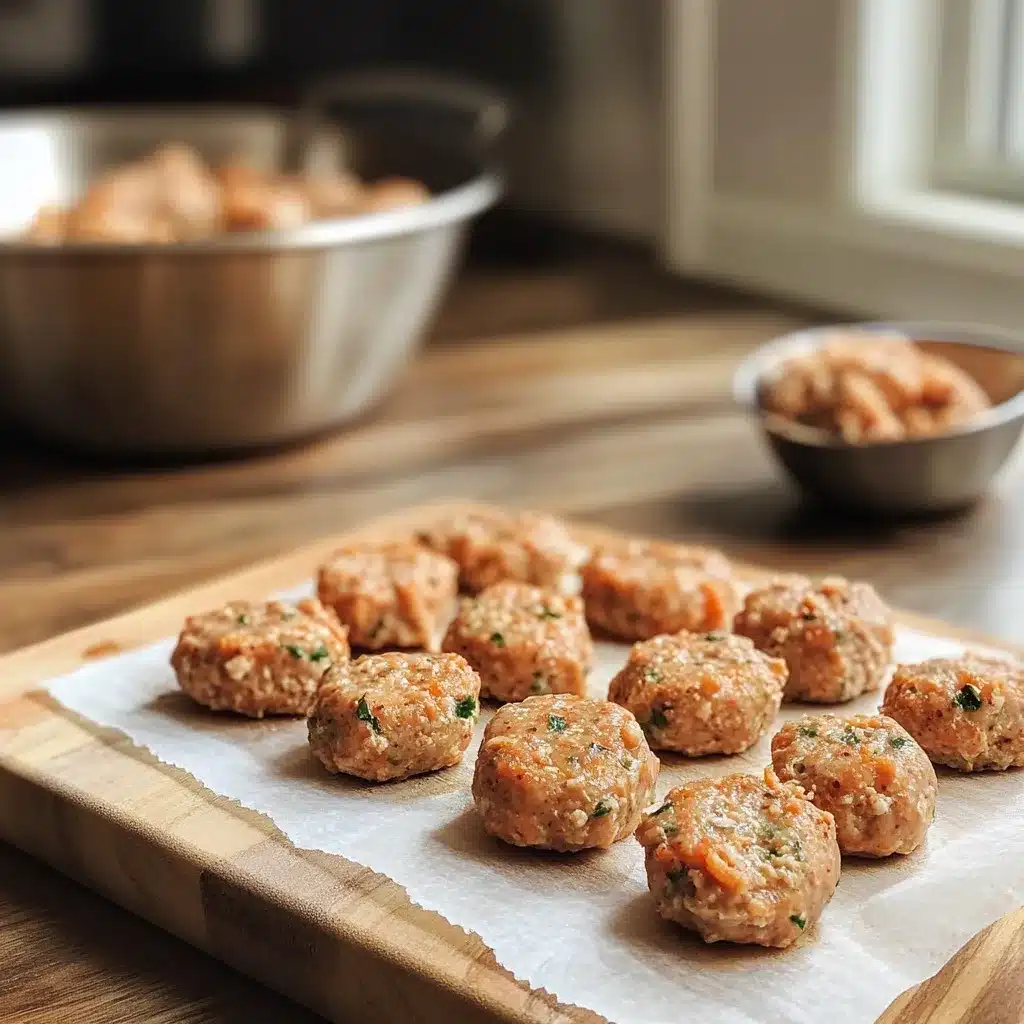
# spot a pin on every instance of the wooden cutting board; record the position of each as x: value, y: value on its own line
x: 332, y: 935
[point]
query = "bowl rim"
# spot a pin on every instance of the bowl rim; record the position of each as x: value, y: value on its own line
x: 453, y: 205
x: 752, y: 371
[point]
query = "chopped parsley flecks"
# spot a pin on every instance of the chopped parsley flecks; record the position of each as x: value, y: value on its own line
x: 807, y: 730
x: 497, y: 639
x: 573, y: 760
x: 547, y: 613
x: 626, y: 761
x: 658, y: 718
x: 602, y: 808
x: 243, y: 619
x: 364, y: 714
x: 849, y: 737
x: 670, y: 829
x: 652, y: 675
x: 837, y: 635
x: 465, y: 707
x: 799, y: 920
x: 294, y: 650
x: 556, y: 723
x: 968, y: 698
x: 318, y: 653
x: 715, y: 635
x: 666, y: 806
x: 897, y: 741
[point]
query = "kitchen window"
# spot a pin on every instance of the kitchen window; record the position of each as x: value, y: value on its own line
x: 863, y: 155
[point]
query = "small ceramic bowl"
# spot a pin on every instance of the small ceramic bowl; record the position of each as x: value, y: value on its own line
x: 917, y: 476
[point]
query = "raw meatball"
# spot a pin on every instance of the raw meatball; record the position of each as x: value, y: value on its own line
x: 390, y: 595
x: 700, y: 693
x: 638, y: 589
x: 836, y: 638
x: 966, y: 712
x: 868, y: 773
x: 563, y: 773
x: 741, y: 859
x: 392, y: 193
x: 254, y: 201
x: 259, y: 658
x: 334, y: 195
x: 121, y: 207
x: 492, y: 547
x: 388, y: 716
x: 523, y: 640
x: 187, y: 193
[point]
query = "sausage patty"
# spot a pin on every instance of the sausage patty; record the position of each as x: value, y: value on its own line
x: 700, y: 693
x: 966, y: 712
x: 523, y: 640
x: 388, y: 716
x: 867, y: 772
x: 563, y: 773
x: 490, y: 547
x: 741, y: 859
x: 637, y: 589
x: 390, y: 595
x: 836, y: 637
x: 259, y: 657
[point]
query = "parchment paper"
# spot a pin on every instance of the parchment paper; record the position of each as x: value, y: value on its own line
x: 583, y: 926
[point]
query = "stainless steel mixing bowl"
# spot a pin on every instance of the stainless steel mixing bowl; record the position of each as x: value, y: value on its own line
x: 247, y: 339
x: 919, y: 476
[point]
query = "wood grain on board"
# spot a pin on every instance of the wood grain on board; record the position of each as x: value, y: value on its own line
x: 328, y: 933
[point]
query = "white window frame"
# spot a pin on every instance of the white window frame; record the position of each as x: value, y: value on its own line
x: 886, y: 241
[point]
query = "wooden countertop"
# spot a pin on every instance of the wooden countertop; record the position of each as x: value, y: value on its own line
x: 628, y: 423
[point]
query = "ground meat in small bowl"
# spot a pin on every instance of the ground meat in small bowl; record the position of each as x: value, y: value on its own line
x: 492, y: 546
x: 390, y: 595
x: 637, y: 589
x: 836, y: 638
x: 523, y: 640
x: 740, y: 859
x: 700, y: 693
x: 868, y: 773
x: 259, y: 657
x: 389, y: 716
x: 561, y: 772
x: 967, y: 712
x: 869, y: 386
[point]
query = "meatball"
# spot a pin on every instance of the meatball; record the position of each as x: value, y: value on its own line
x: 390, y: 595
x: 638, y: 589
x: 562, y: 772
x: 391, y: 194
x: 741, y: 859
x: 523, y: 640
x: 836, y: 638
x: 967, y: 713
x: 700, y: 693
x: 188, y: 195
x: 868, y: 773
x: 494, y: 546
x: 259, y: 658
x: 388, y: 716
x: 254, y: 201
